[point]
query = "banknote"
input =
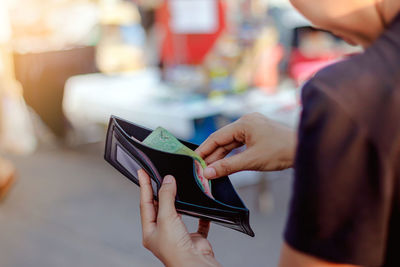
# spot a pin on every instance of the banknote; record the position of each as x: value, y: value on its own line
x: 163, y: 140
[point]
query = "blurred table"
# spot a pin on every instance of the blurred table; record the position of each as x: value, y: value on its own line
x: 141, y: 97
x: 282, y: 106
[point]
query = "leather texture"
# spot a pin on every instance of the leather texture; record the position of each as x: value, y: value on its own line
x: 127, y: 154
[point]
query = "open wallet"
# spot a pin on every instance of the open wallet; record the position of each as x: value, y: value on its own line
x: 125, y: 151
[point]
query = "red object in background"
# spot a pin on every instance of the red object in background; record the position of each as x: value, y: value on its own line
x: 302, y: 68
x: 187, y: 48
x: 312, y: 50
x: 266, y: 74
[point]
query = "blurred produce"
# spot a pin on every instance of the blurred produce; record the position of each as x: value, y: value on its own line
x: 247, y: 54
x: 267, y: 54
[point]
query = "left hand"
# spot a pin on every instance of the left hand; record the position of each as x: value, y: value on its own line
x: 164, y: 232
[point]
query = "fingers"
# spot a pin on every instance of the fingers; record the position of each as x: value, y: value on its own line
x: 226, y: 166
x: 166, y: 197
x: 204, y: 227
x: 224, y: 136
x: 221, y: 152
x: 147, y: 209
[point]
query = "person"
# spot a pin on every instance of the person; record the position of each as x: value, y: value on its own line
x: 345, y: 207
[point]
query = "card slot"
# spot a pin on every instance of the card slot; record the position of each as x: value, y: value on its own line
x: 128, y: 164
x: 148, y: 166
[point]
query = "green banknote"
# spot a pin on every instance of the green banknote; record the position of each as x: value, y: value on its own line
x: 163, y: 140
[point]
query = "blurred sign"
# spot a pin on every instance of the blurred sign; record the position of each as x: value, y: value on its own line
x: 205, y: 22
x: 194, y: 16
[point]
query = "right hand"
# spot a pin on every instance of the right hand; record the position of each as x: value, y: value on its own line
x: 270, y: 146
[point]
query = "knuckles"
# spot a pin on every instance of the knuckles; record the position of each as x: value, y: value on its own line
x: 224, y: 167
x: 252, y: 121
x: 251, y: 116
x: 254, y: 117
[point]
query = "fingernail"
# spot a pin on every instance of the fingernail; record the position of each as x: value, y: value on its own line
x: 168, y: 179
x: 209, y: 172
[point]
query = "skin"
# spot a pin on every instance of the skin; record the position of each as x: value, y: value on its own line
x: 269, y: 145
x: 164, y: 232
x: 348, y: 19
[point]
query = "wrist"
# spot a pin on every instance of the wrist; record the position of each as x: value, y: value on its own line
x: 291, y: 149
x: 193, y: 258
x: 288, y: 151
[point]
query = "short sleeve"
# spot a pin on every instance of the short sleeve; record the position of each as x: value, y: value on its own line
x: 340, y: 205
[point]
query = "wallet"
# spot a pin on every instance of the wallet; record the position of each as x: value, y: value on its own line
x: 125, y: 151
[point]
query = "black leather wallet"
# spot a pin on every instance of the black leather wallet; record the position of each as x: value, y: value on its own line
x: 125, y: 151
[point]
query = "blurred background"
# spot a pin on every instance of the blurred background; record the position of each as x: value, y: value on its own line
x: 190, y: 66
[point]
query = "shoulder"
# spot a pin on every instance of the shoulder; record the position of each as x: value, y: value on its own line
x: 361, y: 88
x: 340, y: 168
x: 328, y: 94
x: 346, y: 82
x: 364, y: 80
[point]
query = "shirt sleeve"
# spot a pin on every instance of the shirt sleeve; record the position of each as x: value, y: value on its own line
x: 340, y: 204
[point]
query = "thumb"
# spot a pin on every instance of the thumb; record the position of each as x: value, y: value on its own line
x: 166, y: 198
x: 226, y: 166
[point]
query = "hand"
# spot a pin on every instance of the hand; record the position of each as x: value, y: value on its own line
x: 270, y: 146
x: 164, y: 232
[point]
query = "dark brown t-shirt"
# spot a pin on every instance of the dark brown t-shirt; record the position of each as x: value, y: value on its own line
x: 346, y: 195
